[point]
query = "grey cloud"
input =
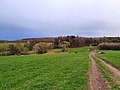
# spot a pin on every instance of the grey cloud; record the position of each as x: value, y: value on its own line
x: 61, y: 17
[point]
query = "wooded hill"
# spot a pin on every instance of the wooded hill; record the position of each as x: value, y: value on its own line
x: 75, y: 41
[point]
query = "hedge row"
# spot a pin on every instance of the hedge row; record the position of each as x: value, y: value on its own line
x: 109, y: 46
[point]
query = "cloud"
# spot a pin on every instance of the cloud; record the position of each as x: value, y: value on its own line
x: 41, y: 18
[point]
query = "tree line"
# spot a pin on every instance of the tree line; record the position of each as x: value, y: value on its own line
x: 43, y: 45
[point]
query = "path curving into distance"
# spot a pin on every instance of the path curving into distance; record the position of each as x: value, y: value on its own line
x: 96, y: 81
x: 115, y: 71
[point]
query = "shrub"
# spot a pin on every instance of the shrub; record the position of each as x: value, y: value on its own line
x: 4, y: 50
x: 17, y: 49
x: 30, y: 44
x: 4, y: 53
x: 109, y: 46
x: 13, y: 49
x: 42, y: 47
x: 64, y: 45
x: 4, y: 47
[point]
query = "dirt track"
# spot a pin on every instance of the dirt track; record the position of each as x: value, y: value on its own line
x: 116, y: 72
x: 96, y: 82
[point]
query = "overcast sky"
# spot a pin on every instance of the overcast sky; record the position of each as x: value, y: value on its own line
x: 47, y: 18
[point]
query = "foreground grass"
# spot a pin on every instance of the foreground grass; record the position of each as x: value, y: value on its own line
x: 45, y: 72
x: 112, y: 57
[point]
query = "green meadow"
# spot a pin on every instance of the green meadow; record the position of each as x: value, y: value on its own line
x: 60, y: 71
x: 111, y: 56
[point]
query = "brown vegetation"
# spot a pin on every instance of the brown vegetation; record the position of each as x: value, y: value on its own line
x: 50, y: 52
x: 42, y: 47
x: 17, y: 49
x: 109, y: 46
x: 58, y: 42
x: 13, y: 49
x: 78, y: 41
x: 64, y: 45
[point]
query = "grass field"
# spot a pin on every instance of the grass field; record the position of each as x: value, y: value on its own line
x: 4, y: 44
x: 73, y: 50
x: 45, y: 72
x: 112, y: 57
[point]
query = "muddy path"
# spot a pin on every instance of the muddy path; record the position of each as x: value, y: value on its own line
x: 96, y: 81
x: 115, y: 71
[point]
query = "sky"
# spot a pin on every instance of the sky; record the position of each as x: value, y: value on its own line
x: 51, y: 18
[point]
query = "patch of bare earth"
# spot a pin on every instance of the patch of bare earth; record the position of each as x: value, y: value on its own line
x: 115, y: 71
x: 96, y: 81
x: 50, y: 52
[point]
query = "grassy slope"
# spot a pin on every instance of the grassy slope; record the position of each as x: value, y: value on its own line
x: 4, y: 44
x: 112, y: 57
x: 78, y: 50
x: 46, y: 72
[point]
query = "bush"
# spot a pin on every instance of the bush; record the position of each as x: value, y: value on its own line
x: 17, y: 49
x: 4, y: 47
x: 42, y: 47
x: 109, y: 46
x: 30, y: 44
x: 4, y: 50
x: 64, y: 45
x: 13, y: 49
x: 5, y: 53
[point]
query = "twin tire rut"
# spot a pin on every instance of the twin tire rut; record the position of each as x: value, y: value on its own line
x: 96, y: 81
x: 115, y: 72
